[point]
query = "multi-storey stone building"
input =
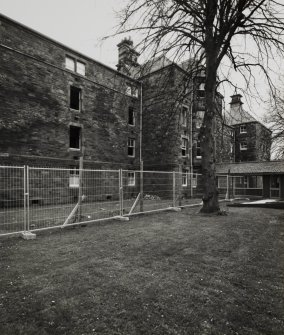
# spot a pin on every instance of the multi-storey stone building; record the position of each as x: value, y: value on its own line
x: 252, y: 140
x: 58, y: 105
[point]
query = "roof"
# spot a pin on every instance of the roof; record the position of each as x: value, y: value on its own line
x: 253, y: 168
x: 232, y: 118
x: 45, y: 37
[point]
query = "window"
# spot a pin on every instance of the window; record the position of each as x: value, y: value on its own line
x: 231, y: 148
x: 75, y: 137
x: 131, y: 90
x: 184, y: 146
x: 198, y: 150
x: 202, y: 73
x: 81, y: 68
x: 255, y: 182
x: 201, y: 87
x: 183, y: 117
x: 131, y: 178
x: 194, y: 180
x: 201, y: 102
x: 222, y: 182
x: 243, y: 146
x: 131, y: 116
x: 241, y: 182
x: 70, y: 63
x: 184, y: 178
x: 131, y: 147
x: 74, y: 177
x: 74, y: 65
x: 75, y: 98
x: 243, y: 129
x: 199, y: 119
x: 275, y: 182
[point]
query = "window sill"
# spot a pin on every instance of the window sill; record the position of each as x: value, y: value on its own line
x: 75, y: 149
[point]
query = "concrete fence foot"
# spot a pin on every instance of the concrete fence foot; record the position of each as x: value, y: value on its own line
x: 121, y: 218
x: 27, y: 235
x: 175, y: 209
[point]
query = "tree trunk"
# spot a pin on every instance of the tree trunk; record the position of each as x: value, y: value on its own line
x: 207, y: 140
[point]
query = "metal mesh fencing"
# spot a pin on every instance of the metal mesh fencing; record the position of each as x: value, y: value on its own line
x: 12, y: 199
x: 34, y: 198
x: 149, y: 191
x: 67, y: 196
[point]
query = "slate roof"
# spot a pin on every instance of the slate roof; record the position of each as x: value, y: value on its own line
x: 253, y: 168
x: 233, y: 118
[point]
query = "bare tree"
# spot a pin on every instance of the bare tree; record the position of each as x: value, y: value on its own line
x: 224, y: 35
x: 275, y: 120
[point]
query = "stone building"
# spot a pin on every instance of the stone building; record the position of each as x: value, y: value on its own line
x: 58, y: 105
x: 252, y: 140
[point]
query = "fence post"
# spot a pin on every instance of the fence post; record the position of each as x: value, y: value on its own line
x: 141, y: 186
x: 174, y: 189
x: 228, y: 188
x: 25, y: 201
x: 80, y: 192
x: 120, y: 192
x: 28, y: 197
x: 191, y: 186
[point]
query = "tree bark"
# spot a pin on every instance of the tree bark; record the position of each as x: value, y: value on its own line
x: 207, y: 140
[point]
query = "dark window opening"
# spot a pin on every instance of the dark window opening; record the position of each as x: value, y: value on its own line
x: 75, y: 135
x: 131, y: 147
x: 75, y: 95
x: 198, y: 150
x: 201, y: 94
x: 131, y: 117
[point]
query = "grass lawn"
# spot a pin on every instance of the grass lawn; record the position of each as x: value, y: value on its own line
x: 166, y: 273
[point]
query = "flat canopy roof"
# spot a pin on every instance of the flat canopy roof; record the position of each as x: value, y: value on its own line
x: 251, y: 168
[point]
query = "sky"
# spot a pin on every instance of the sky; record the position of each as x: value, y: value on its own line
x: 81, y: 25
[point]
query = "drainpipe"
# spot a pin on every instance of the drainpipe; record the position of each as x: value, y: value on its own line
x: 191, y: 143
x: 141, y: 127
x: 140, y: 153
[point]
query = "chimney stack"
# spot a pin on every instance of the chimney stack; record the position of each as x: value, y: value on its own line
x: 127, y: 56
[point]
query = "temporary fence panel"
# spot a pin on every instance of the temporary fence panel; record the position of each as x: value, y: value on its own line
x: 147, y: 191
x: 13, y: 213
x: 190, y: 188
x: 34, y: 198
x: 68, y: 196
